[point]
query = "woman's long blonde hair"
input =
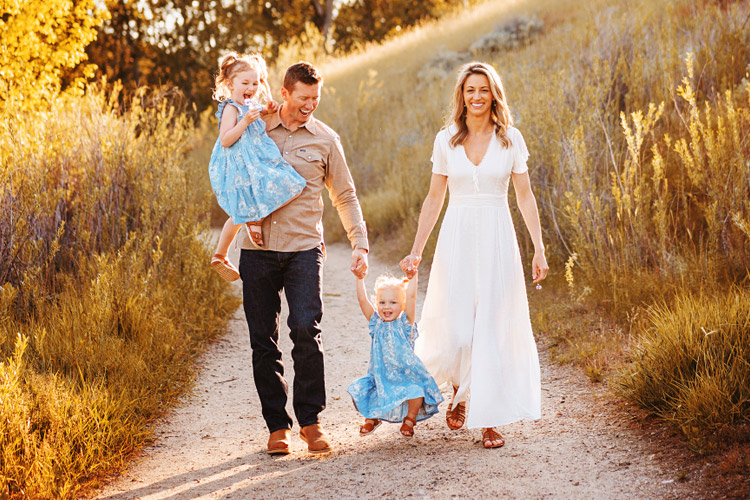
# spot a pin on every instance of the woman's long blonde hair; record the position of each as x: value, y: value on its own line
x: 499, y: 114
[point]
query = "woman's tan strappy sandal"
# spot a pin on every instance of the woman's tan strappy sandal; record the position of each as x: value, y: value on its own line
x: 457, y: 414
x: 408, y: 430
x: 489, y: 435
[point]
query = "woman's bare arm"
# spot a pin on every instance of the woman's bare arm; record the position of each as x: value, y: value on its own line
x: 431, y: 207
x: 528, y: 207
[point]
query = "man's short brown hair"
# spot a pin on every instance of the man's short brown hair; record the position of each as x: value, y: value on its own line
x: 301, y: 72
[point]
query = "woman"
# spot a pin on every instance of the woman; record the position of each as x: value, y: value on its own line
x: 475, y: 327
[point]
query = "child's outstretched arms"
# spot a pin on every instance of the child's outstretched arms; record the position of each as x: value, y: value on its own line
x: 364, y: 302
x: 411, y: 299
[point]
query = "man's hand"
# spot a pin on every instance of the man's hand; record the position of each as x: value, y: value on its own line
x: 359, y: 263
x: 409, y: 265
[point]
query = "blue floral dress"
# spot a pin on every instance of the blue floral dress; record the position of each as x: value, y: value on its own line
x: 395, y: 374
x: 250, y: 178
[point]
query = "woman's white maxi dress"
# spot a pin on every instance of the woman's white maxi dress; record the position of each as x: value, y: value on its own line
x: 476, y: 330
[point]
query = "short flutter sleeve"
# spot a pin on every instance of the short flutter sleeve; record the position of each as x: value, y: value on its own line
x: 222, y: 105
x: 440, y: 154
x: 409, y: 329
x: 520, y: 151
x: 220, y: 111
x: 374, y: 323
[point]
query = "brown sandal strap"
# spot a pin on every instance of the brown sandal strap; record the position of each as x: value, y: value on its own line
x: 407, y: 430
x: 457, y: 414
x: 370, y: 425
x: 255, y: 231
x: 489, y: 435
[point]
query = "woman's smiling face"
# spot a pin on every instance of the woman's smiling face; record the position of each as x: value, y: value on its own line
x: 477, y: 95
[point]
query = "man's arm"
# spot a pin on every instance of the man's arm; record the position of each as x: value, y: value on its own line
x: 343, y: 196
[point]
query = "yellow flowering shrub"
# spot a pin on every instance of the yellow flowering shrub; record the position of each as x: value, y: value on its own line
x: 39, y: 39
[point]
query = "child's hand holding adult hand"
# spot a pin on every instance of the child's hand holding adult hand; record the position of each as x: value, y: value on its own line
x: 409, y: 265
x: 359, y: 263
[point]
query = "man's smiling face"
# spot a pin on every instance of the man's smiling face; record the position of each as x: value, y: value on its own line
x: 300, y: 102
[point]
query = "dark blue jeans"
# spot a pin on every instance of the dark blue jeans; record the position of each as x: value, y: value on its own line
x: 264, y: 275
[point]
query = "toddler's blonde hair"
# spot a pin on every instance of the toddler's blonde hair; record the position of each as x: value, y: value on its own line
x: 387, y: 281
x: 233, y: 63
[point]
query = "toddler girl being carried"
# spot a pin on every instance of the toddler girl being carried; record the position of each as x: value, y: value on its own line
x: 248, y: 174
x: 397, y: 387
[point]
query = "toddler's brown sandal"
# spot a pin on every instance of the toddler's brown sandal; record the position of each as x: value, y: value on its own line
x: 408, y: 430
x: 369, y: 426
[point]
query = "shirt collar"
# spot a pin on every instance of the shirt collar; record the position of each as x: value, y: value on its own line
x: 274, y: 121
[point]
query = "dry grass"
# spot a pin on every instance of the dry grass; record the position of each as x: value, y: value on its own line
x: 691, y: 366
x: 106, y: 296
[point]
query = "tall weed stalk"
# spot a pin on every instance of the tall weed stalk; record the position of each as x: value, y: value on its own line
x: 106, y: 295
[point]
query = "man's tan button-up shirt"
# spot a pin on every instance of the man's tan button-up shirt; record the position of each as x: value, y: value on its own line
x: 315, y: 151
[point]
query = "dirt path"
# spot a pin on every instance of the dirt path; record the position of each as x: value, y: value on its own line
x: 213, y: 446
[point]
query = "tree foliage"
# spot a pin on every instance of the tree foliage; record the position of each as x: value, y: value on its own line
x: 365, y: 21
x: 178, y: 42
x: 152, y: 42
x: 39, y: 41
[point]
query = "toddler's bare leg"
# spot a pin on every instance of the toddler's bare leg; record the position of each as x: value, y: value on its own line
x: 228, y: 232
x: 219, y: 261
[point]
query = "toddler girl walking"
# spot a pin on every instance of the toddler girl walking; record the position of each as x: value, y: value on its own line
x: 397, y: 387
x: 248, y: 174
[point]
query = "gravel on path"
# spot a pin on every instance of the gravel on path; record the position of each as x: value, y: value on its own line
x: 213, y: 445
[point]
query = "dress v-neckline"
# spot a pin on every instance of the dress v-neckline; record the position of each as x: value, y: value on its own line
x: 486, y: 150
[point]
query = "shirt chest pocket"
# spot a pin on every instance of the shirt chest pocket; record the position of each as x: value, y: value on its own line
x: 310, y: 156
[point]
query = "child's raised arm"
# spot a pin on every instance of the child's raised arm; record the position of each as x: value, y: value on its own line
x: 411, y: 299
x: 364, y: 302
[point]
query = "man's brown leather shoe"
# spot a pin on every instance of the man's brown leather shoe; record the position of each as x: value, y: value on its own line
x: 316, y: 440
x: 278, y: 442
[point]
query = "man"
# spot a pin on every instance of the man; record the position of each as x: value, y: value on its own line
x: 292, y: 260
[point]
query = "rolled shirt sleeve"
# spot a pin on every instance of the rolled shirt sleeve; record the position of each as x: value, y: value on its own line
x: 343, y: 196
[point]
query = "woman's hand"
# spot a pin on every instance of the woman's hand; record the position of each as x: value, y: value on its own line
x: 409, y: 265
x: 539, y: 267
